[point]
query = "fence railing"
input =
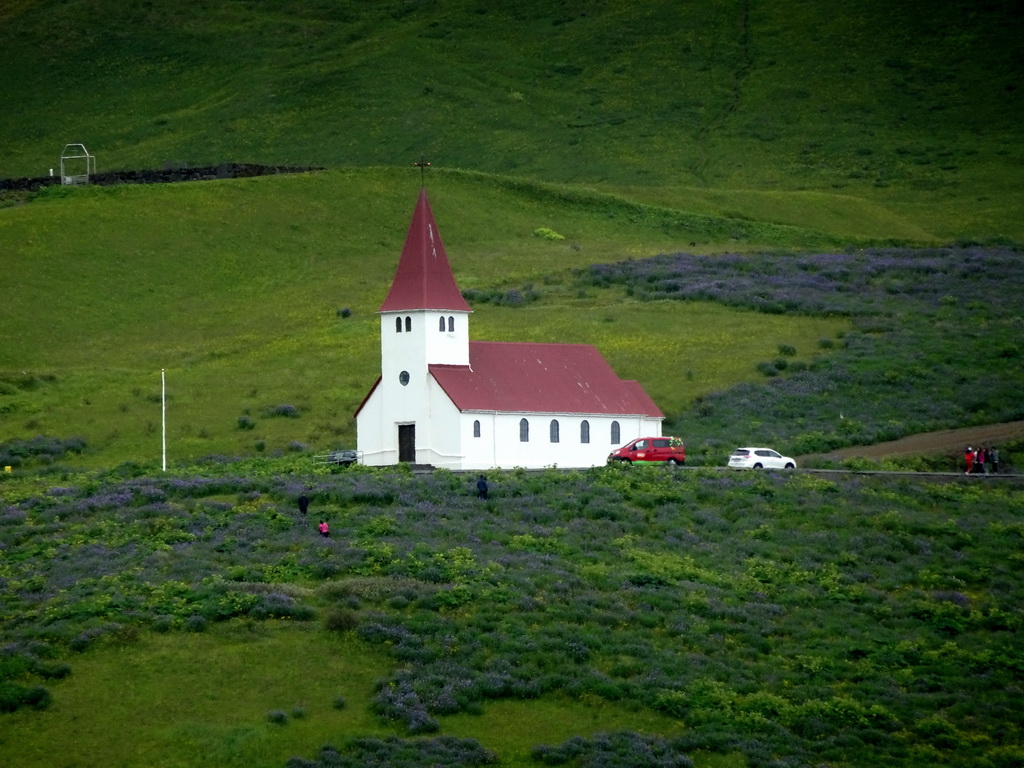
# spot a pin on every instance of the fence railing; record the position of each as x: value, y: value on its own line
x: 339, y: 457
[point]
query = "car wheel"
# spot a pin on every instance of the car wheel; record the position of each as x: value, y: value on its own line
x: 673, y: 462
x: 790, y: 465
x: 758, y: 466
x: 627, y: 462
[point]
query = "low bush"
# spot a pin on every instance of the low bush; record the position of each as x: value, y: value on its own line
x: 394, y: 752
x: 614, y: 750
x: 14, y: 453
x: 339, y: 620
x: 14, y: 697
x: 545, y: 233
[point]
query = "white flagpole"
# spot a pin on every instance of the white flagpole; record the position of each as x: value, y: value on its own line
x: 163, y: 413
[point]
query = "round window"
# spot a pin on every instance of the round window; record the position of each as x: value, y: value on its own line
x: 403, y: 378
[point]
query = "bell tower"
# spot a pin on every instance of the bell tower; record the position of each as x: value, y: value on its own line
x: 423, y: 321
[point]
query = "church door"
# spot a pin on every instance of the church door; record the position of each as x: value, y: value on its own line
x: 407, y: 443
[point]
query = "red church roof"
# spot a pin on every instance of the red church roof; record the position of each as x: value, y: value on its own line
x: 424, y: 277
x: 544, y: 378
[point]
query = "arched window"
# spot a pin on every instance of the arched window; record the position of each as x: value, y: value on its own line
x: 524, y: 431
x: 440, y: 324
x: 616, y: 439
x: 585, y: 431
x: 476, y: 428
x: 451, y: 325
x: 554, y: 430
x: 408, y: 324
x: 398, y: 325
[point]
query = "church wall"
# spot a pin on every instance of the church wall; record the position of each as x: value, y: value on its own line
x: 402, y: 350
x: 372, y: 433
x: 438, y: 436
x: 499, y: 444
x: 447, y: 347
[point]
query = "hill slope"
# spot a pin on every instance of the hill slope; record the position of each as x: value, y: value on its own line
x: 915, y: 105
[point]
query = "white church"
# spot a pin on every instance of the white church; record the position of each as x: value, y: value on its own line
x: 446, y: 401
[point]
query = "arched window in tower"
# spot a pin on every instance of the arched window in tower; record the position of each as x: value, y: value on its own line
x: 615, y: 433
x: 408, y: 324
x: 585, y: 431
x: 440, y: 324
x: 524, y: 431
x: 398, y: 325
x: 476, y: 428
x: 451, y: 325
x: 554, y: 430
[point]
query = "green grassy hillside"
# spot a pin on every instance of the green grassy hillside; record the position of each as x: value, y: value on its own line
x: 234, y: 287
x: 631, y: 129
x: 733, y: 105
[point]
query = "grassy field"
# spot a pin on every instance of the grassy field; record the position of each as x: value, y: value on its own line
x: 629, y: 620
x: 913, y: 111
x: 177, y: 694
x: 735, y: 619
x: 234, y: 288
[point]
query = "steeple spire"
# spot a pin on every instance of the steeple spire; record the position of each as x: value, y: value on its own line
x: 424, y: 278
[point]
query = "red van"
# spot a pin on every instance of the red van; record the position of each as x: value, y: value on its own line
x: 651, y: 450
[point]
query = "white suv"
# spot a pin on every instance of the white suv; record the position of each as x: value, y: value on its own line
x: 760, y: 458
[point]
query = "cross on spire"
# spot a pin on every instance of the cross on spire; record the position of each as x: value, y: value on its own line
x: 422, y: 165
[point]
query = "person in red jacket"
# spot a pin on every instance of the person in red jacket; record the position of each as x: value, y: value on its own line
x: 325, y: 529
x: 969, y: 459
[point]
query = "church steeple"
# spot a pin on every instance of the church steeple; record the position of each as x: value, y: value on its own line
x: 424, y: 279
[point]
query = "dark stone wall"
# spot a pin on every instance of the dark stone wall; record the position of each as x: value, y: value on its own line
x: 206, y: 173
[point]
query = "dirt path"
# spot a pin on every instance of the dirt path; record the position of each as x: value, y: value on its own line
x: 951, y: 441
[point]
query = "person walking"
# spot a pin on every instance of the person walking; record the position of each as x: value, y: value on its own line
x: 325, y: 530
x: 969, y: 459
x: 993, y: 456
x: 303, y: 503
x: 481, y: 487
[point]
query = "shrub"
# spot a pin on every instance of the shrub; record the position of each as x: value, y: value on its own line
x: 15, y: 452
x: 547, y: 234
x: 344, y: 312
x: 246, y: 422
x: 615, y: 750
x: 392, y: 752
x: 341, y: 620
x: 13, y: 697
x: 285, y: 410
x: 787, y: 349
x: 52, y: 671
x: 277, y: 717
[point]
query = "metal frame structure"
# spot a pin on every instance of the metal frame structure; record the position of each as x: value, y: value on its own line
x: 76, y: 152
